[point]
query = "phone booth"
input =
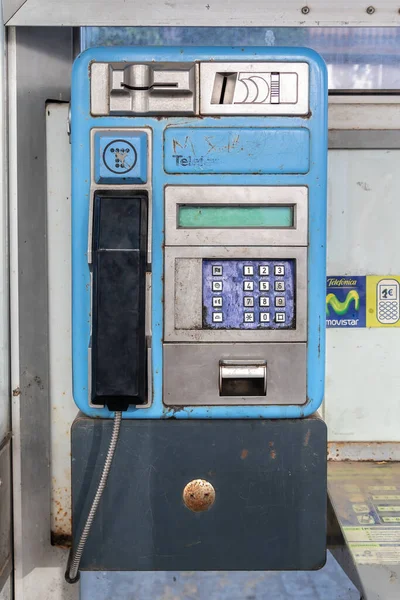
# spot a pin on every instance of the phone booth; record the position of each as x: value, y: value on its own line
x: 200, y: 301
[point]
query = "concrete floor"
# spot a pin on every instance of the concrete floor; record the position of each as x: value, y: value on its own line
x: 330, y: 583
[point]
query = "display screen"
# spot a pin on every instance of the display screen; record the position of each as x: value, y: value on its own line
x: 205, y: 216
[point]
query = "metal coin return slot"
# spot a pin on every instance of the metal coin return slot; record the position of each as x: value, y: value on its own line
x: 241, y: 378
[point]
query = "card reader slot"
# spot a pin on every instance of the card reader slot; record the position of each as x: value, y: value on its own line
x: 119, y: 365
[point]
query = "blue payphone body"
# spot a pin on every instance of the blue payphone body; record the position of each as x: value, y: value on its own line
x: 199, y: 232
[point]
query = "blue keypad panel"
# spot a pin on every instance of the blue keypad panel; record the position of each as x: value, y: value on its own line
x: 249, y: 294
x: 120, y: 157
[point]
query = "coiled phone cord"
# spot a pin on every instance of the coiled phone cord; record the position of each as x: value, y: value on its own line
x: 72, y: 573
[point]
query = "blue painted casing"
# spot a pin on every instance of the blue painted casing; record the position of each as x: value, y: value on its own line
x: 315, y: 127
x: 246, y: 150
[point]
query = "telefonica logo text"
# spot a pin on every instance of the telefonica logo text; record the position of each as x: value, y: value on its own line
x: 332, y: 281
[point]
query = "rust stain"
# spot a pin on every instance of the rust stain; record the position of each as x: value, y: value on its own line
x: 61, y: 515
x: 198, y: 495
x: 61, y: 540
x: 244, y: 454
x: 16, y: 392
x: 272, y: 451
x: 307, y: 438
x: 353, y: 451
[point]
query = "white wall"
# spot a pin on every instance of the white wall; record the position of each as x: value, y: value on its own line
x: 363, y: 365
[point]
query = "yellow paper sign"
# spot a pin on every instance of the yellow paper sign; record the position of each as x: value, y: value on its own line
x: 383, y: 301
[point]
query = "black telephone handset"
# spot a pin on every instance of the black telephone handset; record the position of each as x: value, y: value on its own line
x: 119, y: 257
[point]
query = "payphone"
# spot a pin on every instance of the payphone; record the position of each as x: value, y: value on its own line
x: 198, y: 247
x: 198, y: 232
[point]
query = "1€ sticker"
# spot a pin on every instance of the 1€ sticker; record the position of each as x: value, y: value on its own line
x: 383, y: 301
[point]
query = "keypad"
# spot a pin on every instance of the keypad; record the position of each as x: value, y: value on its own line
x: 249, y: 294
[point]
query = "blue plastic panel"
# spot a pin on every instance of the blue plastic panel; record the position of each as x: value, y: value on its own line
x: 314, y: 178
x: 236, y: 150
x: 120, y: 158
x: 250, y: 294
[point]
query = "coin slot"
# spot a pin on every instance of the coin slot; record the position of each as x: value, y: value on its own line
x: 238, y: 378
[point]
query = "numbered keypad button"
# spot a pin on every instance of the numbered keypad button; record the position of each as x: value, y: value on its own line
x: 217, y: 317
x: 248, y: 301
x: 280, y: 301
x: 280, y: 317
x: 264, y: 317
x: 248, y: 286
x: 248, y: 270
x: 279, y: 286
x: 217, y: 270
x: 249, y: 317
x: 264, y: 301
x: 279, y: 270
x: 264, y: 286
x: 263, y: 270
x: 217, y: 302
x: 217, y: 286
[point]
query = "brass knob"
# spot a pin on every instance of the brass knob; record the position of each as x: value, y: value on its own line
x: 198, y: 495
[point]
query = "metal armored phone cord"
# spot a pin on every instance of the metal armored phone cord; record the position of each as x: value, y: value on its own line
x: 74, y: 559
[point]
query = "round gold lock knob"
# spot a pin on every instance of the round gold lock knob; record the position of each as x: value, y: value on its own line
x: 199, y: 495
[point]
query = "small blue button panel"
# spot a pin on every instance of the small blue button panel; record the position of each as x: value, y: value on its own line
x: 249, y: 294
x: 120, y: 157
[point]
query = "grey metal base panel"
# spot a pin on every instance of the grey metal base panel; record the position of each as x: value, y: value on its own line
x: 329, y: 583
x: 365, y: 497
x: 269, y: 478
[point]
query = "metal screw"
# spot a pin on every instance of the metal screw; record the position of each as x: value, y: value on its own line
x: 305, y: 10
x: 370, y: 10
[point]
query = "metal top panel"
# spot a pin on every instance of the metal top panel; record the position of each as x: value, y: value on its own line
x: 199, y: 13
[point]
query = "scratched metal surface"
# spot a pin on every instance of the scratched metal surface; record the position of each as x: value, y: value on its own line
x: 330, y: 583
